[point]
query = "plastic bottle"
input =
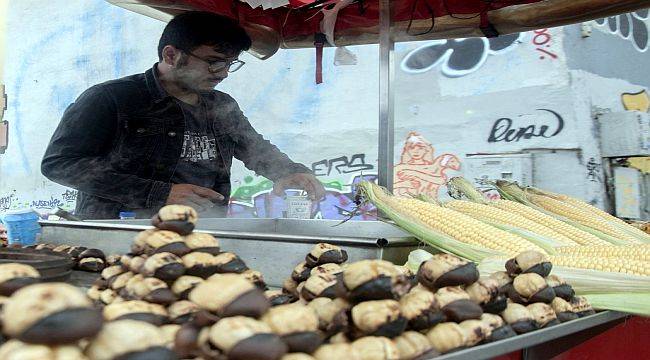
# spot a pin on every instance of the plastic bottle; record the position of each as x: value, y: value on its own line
x: 127, y: 215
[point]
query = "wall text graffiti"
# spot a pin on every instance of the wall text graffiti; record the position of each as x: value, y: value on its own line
x: 505, y: 129
x: 341, y: 165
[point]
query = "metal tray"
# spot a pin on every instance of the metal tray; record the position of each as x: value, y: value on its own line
x: 272, y: 246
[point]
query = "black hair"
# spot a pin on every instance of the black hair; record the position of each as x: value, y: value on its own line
x: 192, y: 29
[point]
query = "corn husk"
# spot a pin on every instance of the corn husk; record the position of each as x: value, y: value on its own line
x: 633, y: 303
x: 416, y: 258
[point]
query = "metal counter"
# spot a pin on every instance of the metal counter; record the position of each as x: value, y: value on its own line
x: 272, y: 246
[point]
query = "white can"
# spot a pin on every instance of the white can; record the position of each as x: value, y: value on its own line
x: 298, y: 207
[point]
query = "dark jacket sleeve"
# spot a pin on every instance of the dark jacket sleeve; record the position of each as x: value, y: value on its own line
x: 257, y: 153
x: 78, y: 154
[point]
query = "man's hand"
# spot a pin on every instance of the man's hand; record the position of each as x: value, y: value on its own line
x: 307, y: 182
x: 198, y: 197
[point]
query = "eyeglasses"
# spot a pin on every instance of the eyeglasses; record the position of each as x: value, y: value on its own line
x: 218, y: 65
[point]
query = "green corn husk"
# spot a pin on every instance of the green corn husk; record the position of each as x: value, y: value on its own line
x: 459, y: 186
x: 634, y: 303
x: 583, y: 281
x: 422, y: 231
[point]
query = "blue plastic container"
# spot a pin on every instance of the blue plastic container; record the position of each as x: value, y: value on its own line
x: 22, y: 226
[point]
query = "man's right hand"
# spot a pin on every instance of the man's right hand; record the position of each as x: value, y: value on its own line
x: 198, y: 197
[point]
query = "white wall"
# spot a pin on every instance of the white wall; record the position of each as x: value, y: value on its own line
x: 452, y: 102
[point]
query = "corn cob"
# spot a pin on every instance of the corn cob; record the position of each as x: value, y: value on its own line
x: 609, y: 264
x: 574, y: 234
x: 579, y: 215
x: 499, y: 216
x: 633, y: 252
x: 464, y: 228
x: 622, y: 225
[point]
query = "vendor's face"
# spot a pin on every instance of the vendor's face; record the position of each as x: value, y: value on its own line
x: 192, y: 70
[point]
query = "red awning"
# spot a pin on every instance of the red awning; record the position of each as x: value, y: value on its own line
x: 294, y: 26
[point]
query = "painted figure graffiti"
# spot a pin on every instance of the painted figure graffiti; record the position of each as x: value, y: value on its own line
x: 632, y: 26
x: 458, y: 57
x: 418, y: 171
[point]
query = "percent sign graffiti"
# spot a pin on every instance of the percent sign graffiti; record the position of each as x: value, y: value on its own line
x: 542, y: 39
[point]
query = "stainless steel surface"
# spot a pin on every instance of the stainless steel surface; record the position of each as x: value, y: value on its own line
x: 386, y: 96
x: 272, y: 246
x: 564, y: 331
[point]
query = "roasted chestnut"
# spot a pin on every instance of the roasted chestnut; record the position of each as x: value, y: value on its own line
x: 164, y: 266
x: 297, y: 356
x: 374, y: 280
x: 322, y: 285
x: 230, y: 263
x: 447, y: 337
x: 332, y: 314
x: 177, y: 218
x: 519, y: 318
x: 301, y: 272
x: 456, y: 304
x: 202, y: 242
x: 256, y: 278
x: 543, y: 314
x: 324, y: 253
x: 90, y: 264
x: 130, y: 340
x: 290, y: 286
x: 531, y: 288
x: 446, y: 270
x: 297, y: 325
x: 336, y: 351
x: 230, y: 295
x: 421, y: 309
x: 581, y: 306
x: 165, y: 241
x: 529, y: 261
x: 485, y: 292
x: 14, y: 276
x: 50, y: 313
x: 244, y: 338
x: 376, y: 348
x: 504, y: 281
x: 413, y: 345
x: 377, y: 318
x: 136, y: 310
x: 182, y: 311
x: 476, y: 331
x: 184, y: 284
x: 278, y: 297
x: 499, y: 329
x: 18, y: 350
x: 560, y: 287
x: 149, y: 289
x: 200, y: 264
x: 563, y: 310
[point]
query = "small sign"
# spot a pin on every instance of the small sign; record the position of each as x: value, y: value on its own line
x: 298, y: 207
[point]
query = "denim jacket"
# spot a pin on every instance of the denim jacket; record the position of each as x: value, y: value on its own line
x: 120, y: 141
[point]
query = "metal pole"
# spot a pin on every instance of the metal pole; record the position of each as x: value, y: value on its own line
x: 386, y: 96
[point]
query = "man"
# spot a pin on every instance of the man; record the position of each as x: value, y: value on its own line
x: 166, y: 136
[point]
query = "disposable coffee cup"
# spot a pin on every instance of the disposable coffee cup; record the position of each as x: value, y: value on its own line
x: 298, y: 207
x: 22, y: 227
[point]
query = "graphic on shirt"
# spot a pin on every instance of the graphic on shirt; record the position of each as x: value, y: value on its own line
x: 198, y: 147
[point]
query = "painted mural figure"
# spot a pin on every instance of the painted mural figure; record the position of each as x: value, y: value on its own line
x: 418, y: 171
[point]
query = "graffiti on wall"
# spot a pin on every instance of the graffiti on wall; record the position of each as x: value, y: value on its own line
x: 632, y: 27
x: 548, y: 123
x: 341, y: 165
x: 256, y: 200
x: 639, y: 101
x: 542, y: 41
x: 419, y: 171
x: 458, y: 57
x: 593, y: 170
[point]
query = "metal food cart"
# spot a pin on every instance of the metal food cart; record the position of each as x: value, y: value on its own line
x: 274, y: 246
